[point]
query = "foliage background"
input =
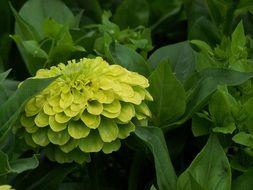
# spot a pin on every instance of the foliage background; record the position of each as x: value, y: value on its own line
x: 198, y: 57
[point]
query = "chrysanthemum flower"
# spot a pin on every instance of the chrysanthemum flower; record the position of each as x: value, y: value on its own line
x: 5, y: 187
x: 90, y: 107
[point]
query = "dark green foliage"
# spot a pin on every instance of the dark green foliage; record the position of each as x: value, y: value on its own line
x: 198, y: 57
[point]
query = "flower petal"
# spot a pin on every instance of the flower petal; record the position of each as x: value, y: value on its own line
x: 92, y: 143
x: 56, y: 126
x: 41, y: 119
x: 40, y: 137
x: 108, y: 130
x: 91, y: 121
x: 94, y: 107
x: 112, y: 146
x: 58, y: 138
x: 125, y: 130
x: 78, y: 130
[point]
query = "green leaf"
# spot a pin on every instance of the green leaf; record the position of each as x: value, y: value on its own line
x: 33, y: 48
x: 32, y: 63
x: 3, y: 75
x: 168, y: 94
x: 180, y: 55
x: 204, y: 84
x: 153, y: 187
x: 154, y: 139
x: 10, y: 110
x: 45, y: 9
x: 244, y: 181
x: 223, y: 109
x: 244, y: 138
x: 23, y: 28
x: 131, y: 13
x: 46, y: 176
x: 128, y: 58
x: 205, y: 30
x: 200, y: 126
x: 238, y: 38
x: 17, y: 166
x: 210, y: 170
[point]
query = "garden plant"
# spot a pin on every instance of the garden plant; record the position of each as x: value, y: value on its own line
x: 126, y: 95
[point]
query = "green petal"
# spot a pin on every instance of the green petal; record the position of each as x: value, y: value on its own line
x: 91, y: 121
x: 108, y: 130
x: 94, y: 107
x: 29, y: 141
x: 109, y: 96
x: 92, y: 143
x: 48, y: 109
x: 40, y: 100
x: 32, y: 129
x: 69, y: 146
x: 127, y: 112
x: 140, y: 116
x: 125, y: 130
x: 148, y: 96
x: 66, y: 100
x: 70, y: 113
x: 114, y: 107
x: 125, y: 90
x: 79, y: 157
x: 110, y: 115
x: 106, y: 84
x: 141, y: 91
x: 78, y: 130
x: 40, y: 137
x: 58, y: 138
x: 136, y: 99
x: 143, y: 109
x: 100, y: 96
x: 61, y: 117
x: 27, y: 121
x: 55, y: 126
x: 77, y: 107
x: 53, y: 100
x: 41, y: 120
x: 112, y: 146
x: 61, y: 157
x: 30, y: 108
x: 57, y: 109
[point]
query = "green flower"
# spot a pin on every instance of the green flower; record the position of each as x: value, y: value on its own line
x: 5, y: 187
x: 89, y: 108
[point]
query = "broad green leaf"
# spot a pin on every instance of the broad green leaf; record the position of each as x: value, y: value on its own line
x: 128, y: 58
x: 33, y: 48
x: 45, y: 9
x: 180, y: 55
x: 206, y: 83
x: 223, y: 109
x: 16, y: 166
x: 244, y: 138
x: 10, y: 110
x: 244, y: 181
x: 154, y: 139
x: 131, y: 13
x: 23, y: 28
x: 46, y: 176
x: 210, y: 170
x: 168, y: 94
x: 200, y: 126
x: 205, y: 30
x: 244, y: 6
x: 32, y: 63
